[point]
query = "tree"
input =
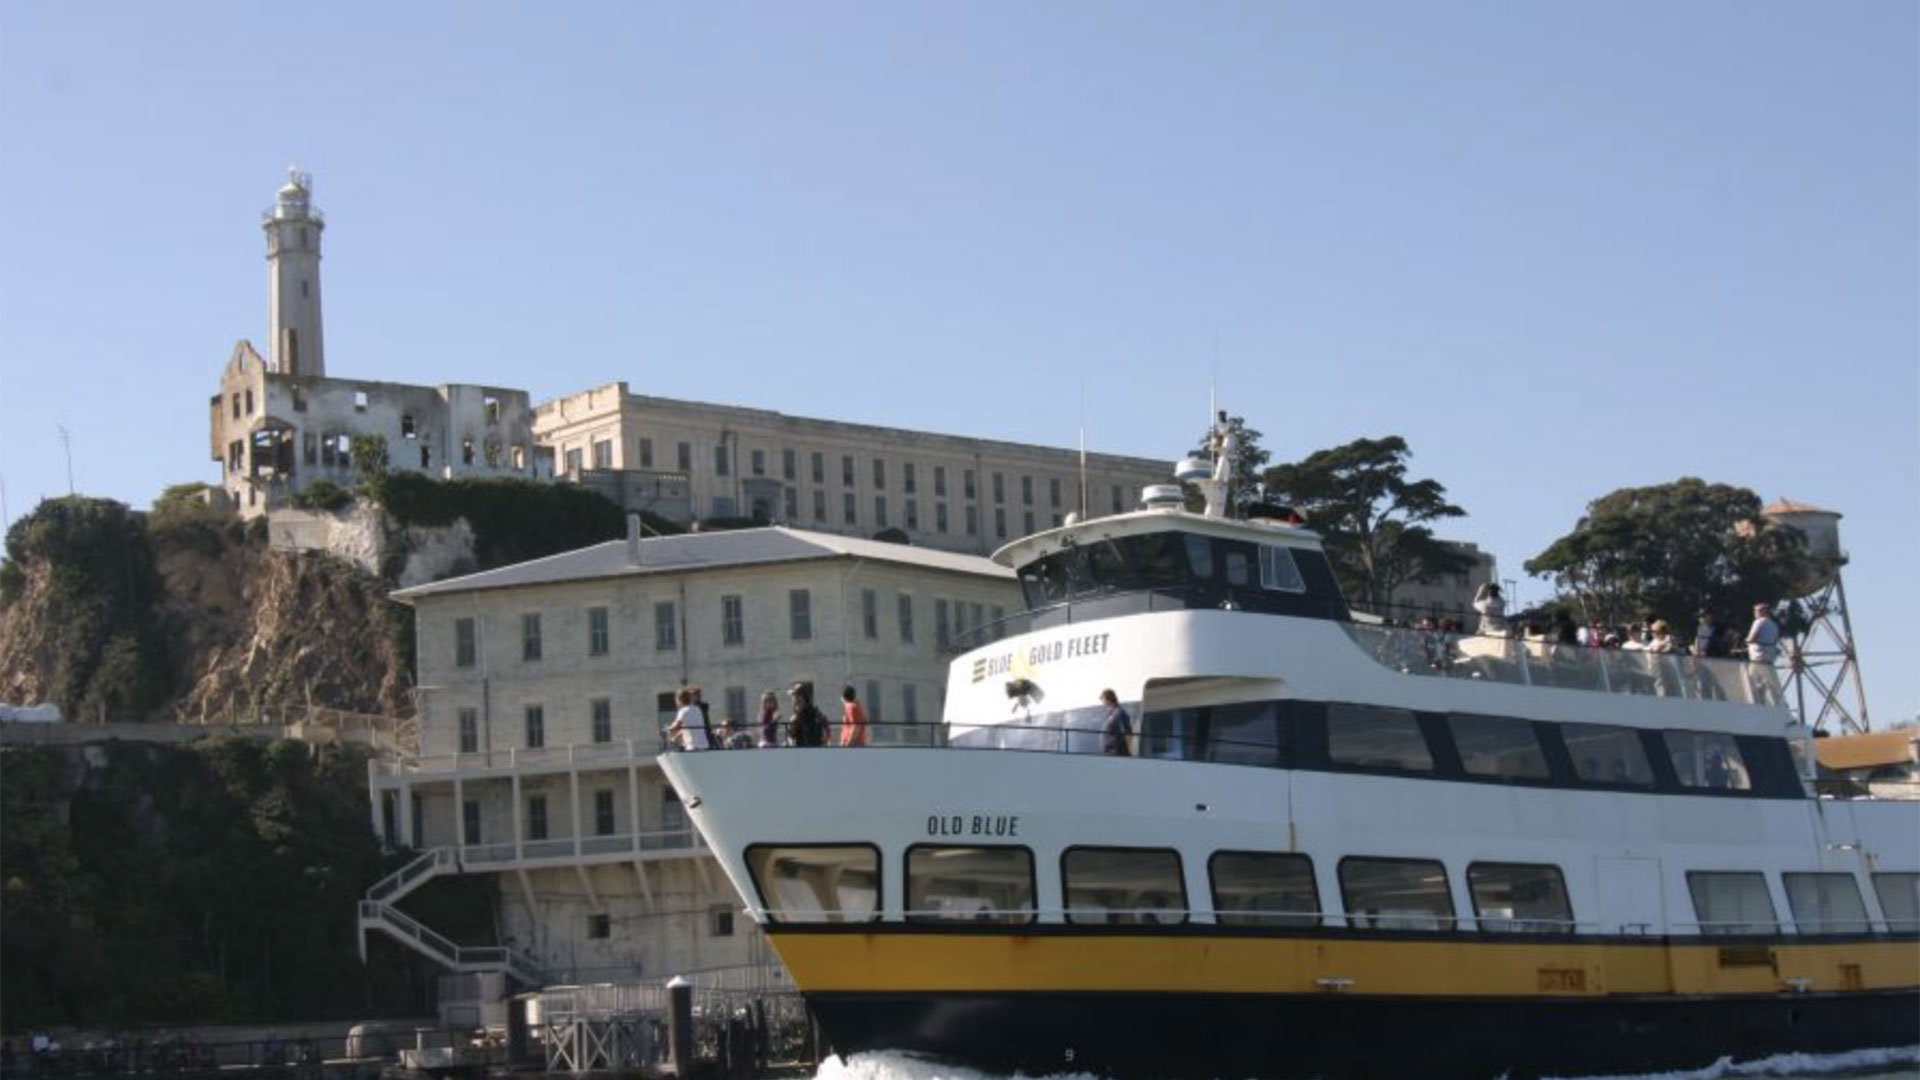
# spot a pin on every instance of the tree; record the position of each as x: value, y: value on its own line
x: 1371, y: 517
x: 369, y: 453
x: 1672, y: 550
x: 1249, y: 458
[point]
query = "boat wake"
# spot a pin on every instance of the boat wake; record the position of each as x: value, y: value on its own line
x: 1902, y: 1063
x: 1898, y: 1061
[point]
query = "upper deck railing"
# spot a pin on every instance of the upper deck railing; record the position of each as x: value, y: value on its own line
x: 1519, y: 662
x: 1451, y: 655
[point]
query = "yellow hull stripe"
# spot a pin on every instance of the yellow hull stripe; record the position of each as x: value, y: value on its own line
x: 911, y: 962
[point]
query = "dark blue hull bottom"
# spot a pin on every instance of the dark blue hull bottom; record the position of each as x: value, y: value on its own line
x: 1340, y: 1037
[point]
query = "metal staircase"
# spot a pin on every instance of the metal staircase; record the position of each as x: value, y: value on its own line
x: 377, y: 912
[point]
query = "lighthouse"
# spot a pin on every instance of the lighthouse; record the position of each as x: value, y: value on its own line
x: 293, y: 229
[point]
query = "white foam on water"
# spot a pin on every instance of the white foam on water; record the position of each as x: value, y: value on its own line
x: 892, y: 1065
x: 1892, y: 1063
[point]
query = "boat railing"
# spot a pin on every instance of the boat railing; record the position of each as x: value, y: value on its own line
x: 1456, y: 654
x: 1488, y: 658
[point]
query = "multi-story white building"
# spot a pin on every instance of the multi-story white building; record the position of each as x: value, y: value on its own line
x: 689, y: 460
x: 280, y: 423
x: 544, y: 690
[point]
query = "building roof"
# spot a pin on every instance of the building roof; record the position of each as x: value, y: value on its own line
x: 702, y: 551
x: 1843, y: 753
x: 1788, y: 506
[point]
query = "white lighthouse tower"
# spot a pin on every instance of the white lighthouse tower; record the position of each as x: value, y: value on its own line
x: 293, y: 280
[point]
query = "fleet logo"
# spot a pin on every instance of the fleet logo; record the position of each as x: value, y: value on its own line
x: 1024, y: 661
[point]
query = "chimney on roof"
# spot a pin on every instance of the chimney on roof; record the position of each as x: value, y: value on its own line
x: 633, y: 539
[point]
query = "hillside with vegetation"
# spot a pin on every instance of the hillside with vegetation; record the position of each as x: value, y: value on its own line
x: 186, y: 614
x: 213, y: 883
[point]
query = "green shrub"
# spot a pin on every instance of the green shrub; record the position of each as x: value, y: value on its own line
x: 322, y: 495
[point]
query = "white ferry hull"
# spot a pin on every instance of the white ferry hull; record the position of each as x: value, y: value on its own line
x: 1202, y: 999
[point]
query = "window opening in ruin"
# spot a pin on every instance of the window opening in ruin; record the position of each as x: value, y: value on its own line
x: 492, y: 451
x: 236, y: 406
x: 466, y: 451
x: 490, y: 405
x: 406, y: 427
x: 359, y: 401
x: 519, y: 458
x: 249, y: 401
x: 646, y: 453
x: 299, y: 399
x: 426, y: 457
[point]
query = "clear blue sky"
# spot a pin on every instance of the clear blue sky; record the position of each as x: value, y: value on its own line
x: 1562, y: 248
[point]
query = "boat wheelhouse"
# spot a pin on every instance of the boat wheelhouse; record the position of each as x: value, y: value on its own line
x: 1336, y: 848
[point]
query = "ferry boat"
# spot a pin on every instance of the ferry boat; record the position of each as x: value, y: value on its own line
x: 1334, y: 848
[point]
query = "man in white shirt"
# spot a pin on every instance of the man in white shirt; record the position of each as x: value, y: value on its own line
x: 1763, y: 637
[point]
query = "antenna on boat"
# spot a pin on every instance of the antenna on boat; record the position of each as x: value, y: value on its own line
x: 1083, y: 448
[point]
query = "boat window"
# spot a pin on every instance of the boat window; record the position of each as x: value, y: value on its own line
x: 1707, y: 759
x: 1199, y: 557
x: 1123, y: 885
x: 1044, y: 582
x: 1607, y: 755
x: 817, y: 883
x: 1255, y: 888
x: 1396, y: 894
x: 1157, y: 560
x: 1376, y: 737
x: 969, y: 884
x: 1899, y: 901
x: 1826, y: 903
x: 1171, y: 733
x: 1247, y: 733
x: 1239, y: 564
x: 1519, y: 897
x: 1731, y: 903
x: 1498, y: 746
x: 1279, y: 571
x: 1108, y: 564
x: 1080, y: 578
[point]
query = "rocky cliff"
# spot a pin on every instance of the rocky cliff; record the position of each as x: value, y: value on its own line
x: 186, y: 615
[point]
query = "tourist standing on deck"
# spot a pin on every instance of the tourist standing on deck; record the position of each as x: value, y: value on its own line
x: 1662, y: 637
x: 1706, y: 635
x: 1116, y: 734
x: 1492, y: 608
x: 689, y: 728
x: 853, y: 718
x: 807, y: 726
x: 769, y: 720
x: 1763, y: 638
